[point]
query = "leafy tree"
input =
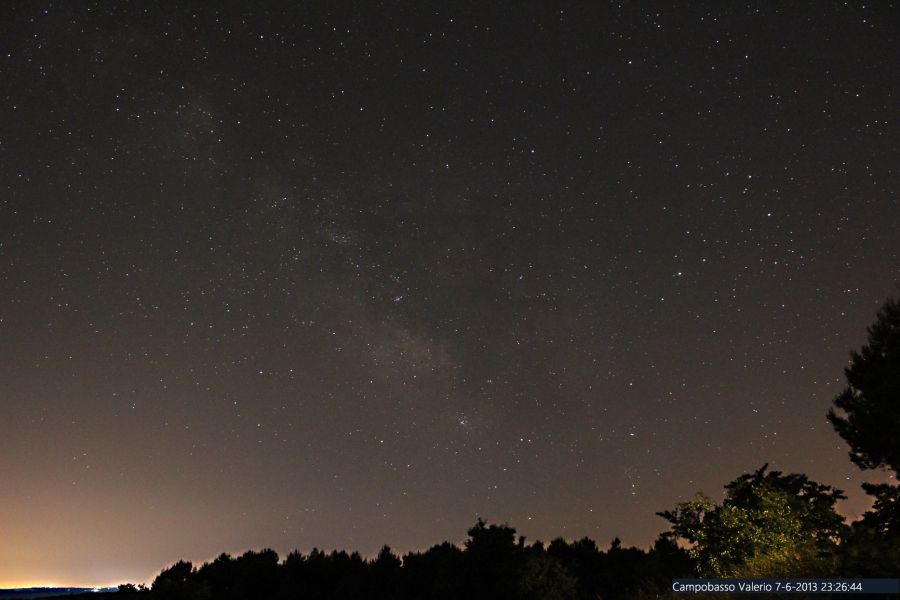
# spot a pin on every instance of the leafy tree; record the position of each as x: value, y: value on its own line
x: 494, y: 564
x: 221, y: 576
x: 493, y: 561
x: 179, y: 572
x: 870, y: 403
x: 872, y: 548
x: 434, y: 574
x: 884, y: 518
x: 545, y: 577
x: 769, y: 524
x: 385, y: 574
x: 586, y: 563
x: 869, y: 421
x: 257, y: 574
x: 177, y: 583
x: 664, y: 562
x: 624, y: 571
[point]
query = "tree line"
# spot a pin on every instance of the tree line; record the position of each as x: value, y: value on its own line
x: 769, y: 524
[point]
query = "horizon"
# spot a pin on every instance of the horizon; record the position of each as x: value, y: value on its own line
x: 340, y: 275
x: 282, y: 554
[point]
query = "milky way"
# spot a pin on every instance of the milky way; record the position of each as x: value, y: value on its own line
x: 343, y: 276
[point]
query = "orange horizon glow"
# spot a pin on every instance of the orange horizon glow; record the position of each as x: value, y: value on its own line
x: 20, y: 585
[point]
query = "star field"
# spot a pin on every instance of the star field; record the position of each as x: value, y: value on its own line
x: 342, y: 275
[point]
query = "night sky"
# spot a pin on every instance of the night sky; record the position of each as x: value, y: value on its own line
x: 339, y: 276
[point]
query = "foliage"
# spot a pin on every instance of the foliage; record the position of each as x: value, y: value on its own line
x: 870, y: 403
x: 769, y: 524
x: 884, y: 518
x: 493, y: 563
x: 872, y: 546
x: 546, y: 578
x: 178, y: 582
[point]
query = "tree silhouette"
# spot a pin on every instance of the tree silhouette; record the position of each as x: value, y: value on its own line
x: 178, y: 582
x: 769, y: 525
x: 385, y: 576
x: 545, y: 577
x: 871, y: 401
x: 869, y: 422
x: 435, y: 574
x: 872, y: 548
x: 493, y: 561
